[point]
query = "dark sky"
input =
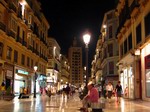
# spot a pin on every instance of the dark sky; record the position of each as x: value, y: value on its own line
x: 71, y: 18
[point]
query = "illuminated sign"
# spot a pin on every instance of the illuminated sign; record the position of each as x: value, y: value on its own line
x: 22, y: 72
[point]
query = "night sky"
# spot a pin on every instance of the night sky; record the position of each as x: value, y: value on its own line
x: 71, y: 18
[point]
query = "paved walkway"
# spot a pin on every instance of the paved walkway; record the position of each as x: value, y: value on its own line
x: 59, y: 104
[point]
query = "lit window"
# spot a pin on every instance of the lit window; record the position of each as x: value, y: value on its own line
x: 9, y: 51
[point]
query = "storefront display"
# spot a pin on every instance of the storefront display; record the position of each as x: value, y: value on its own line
x: 20, y: 80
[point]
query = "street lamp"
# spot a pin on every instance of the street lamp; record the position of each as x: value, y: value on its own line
x: 86, y: 39
x: 35, y: 69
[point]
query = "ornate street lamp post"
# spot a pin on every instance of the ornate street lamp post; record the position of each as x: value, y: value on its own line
x: 86, y: 39
x: 35, y: 77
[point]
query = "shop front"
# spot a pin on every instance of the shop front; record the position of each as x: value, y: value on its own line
x: 145, y: 63
x: 8, y: 73
x: 21, y: 80
x: 1, y: 63
x: 126, y: 76
x: 127, y: 82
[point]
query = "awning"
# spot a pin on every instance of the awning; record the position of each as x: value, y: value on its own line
x: 128, y: 59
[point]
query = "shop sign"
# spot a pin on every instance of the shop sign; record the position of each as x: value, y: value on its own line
x: 22, y: 72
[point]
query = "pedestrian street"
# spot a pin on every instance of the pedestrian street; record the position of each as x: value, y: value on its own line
x: 57, y: 103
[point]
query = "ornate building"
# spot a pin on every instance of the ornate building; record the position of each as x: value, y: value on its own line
x: 134, y: 47
x: 23, y: 43
x: 53, y: 70
x: 104, y: 68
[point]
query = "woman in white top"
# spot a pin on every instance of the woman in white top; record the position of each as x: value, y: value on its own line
x: 109, y: 89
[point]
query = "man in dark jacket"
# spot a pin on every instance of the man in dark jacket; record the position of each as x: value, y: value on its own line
x: 67, y: 90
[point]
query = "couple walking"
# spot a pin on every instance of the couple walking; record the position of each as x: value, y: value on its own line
x: 117, y: 91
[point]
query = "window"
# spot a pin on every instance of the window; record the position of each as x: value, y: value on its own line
x: 15, y: 56
x: 23, y: 59
x: 36, y: 47
x: 121, y: 50
x: 110, y: 32
x: 138, y: 34
x: 1, y: 14
x: 28, y: 61
x: 30, y: 19
x: 111, y: 67
x: 29, y: 38
x: 110, y: 50
x: 125, y: 46
x: 9, y: 51
x: 1, y: 49
x: 13, y: 24
x: 23, y: 35
x: 31, y: 63
x: 109, y: 16
x: 147, y: 25
x: 130, y: 42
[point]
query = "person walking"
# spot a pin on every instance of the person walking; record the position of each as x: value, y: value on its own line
x: 80, y: 90
x: 67, y: 91
x: 109, y: 90
x: 99, y: 90
x: 118, y: 91
x: 2, y: 89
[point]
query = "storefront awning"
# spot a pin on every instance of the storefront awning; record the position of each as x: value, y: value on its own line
x: 128, y: 59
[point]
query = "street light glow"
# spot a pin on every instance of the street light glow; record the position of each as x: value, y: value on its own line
x: 86, y: 38
x: 104, y: 26
x: 35, y: 68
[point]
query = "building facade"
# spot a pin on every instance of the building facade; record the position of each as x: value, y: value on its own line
x: 53, y: 70
x: 65, y: 71
x: 23, y: 43
x: 108, y: 49
x: 75, y: 60
x: 96, y: 70
x: 134, y: 44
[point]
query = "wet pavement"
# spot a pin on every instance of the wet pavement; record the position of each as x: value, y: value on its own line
x: 57, y: 103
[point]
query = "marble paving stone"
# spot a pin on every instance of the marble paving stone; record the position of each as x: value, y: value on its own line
x: 59, y: 104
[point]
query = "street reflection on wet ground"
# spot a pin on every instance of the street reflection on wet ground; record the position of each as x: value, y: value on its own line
x: 57, y: 103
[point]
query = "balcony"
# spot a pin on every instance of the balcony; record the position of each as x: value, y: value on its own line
x: 123, y: 17
x: 30, y: 26
x: 13, y: 7
x: 30, y: 48
x: 19, y: 39
x: 134, y: 4
x: 2, y: 26
x: 24, y: 43
x: 11, y: 34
